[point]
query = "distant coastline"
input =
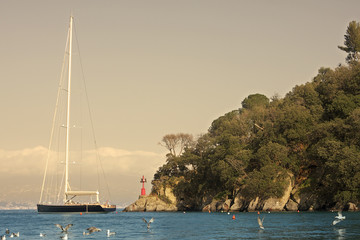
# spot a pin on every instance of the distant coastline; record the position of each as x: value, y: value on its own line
x: 18, y: 208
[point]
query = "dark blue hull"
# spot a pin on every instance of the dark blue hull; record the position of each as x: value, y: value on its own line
x: 75, y: 208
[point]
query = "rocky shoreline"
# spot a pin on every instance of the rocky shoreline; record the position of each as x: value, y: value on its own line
x: 150, y: 203
x: 153, y: 203
x: 293, y: 199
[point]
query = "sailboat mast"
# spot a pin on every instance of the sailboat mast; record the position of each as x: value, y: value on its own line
x: 68, y: 111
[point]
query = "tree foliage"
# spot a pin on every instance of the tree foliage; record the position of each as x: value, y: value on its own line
x: 313, y: 133
x: 255, y: 100
x: 352, y: 42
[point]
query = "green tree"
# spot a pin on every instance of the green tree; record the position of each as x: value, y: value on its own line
x: 273, y: 153
x: 353, y: 121
x: 254, y: 100
x: 265, y: 183
x: 342, y: 106
x: 352, y: 42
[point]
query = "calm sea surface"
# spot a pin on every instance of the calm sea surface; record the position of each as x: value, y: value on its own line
x: 190, y: 225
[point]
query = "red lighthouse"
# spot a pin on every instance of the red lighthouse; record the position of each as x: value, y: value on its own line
x: 143, y: 181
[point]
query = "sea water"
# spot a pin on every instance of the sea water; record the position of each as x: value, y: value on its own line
x: 180, y: 225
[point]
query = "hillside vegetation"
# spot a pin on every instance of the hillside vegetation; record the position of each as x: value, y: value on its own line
x: 312, y: 135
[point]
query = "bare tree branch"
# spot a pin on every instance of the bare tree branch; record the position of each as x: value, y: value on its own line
x: 176, y: 143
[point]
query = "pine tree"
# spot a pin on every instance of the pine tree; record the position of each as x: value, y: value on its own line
x: 352, y: 42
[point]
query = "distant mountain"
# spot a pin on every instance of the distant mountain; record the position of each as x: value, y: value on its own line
x: 17, y: 205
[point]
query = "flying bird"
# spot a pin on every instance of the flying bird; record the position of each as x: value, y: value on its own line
x: 336, y: 221
x: 42, y: 234
x: 338, y: 218
x: 64, y: 229
x: 148, y: 223
x: 91, y: 230
x: 260, y: 222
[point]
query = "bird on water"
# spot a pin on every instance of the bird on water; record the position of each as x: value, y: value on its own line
x: 92, y: 230
x: 64, y: 229
x: 15, y: 235
x: 108, y: 233
x: 65, y: 237
x: 148, y: 222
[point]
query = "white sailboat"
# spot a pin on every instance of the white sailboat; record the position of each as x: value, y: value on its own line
x: 69, y: 203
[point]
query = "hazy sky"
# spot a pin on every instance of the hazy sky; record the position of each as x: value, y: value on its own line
x: 152, y: 68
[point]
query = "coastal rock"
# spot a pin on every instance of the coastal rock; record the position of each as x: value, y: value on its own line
x: 137, y: 206
x: 253, y: 205
x: 168, y: 192
x: 238, y: 204
x: 161, y: 199
x: 352, y: 207
x: 291, y: 205
x: 273, y: 204
x: 304, y: 200
x: 226, y: 205
x: 278, y: 204
x: 160, y: 208
x: 307, y: 202
x: 211, y: 207
x: 217, y: 206
x: 170, y: 208
x: 164, y: 190
x: 149, y: 204
x: 206, y: 208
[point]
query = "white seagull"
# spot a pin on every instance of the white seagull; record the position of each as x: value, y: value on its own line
x: 338, y: 218
x: 65, y: 237
x: 108, y: 233
x: 260, y: 222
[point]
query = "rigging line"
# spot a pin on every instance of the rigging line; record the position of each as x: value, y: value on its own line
x: 56, y: 165
x: 61, y: 186
x: 90, y: 115
x: 54, y: 187
x: 53, y: 122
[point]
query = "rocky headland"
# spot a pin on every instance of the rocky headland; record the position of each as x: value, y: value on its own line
x: 296, y: 153
x: 150, y: 203
x: 162, y: 199
x: 293, y: 199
